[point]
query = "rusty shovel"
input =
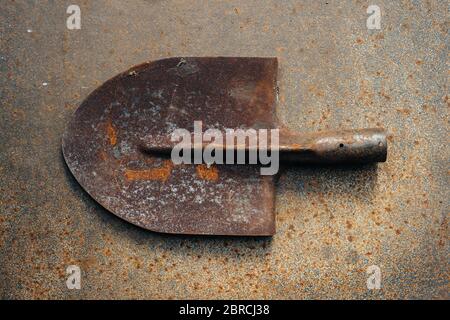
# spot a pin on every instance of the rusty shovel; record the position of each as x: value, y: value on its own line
x: 118, y: 145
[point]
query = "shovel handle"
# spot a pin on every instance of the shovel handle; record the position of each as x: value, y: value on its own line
x: 343, y: 146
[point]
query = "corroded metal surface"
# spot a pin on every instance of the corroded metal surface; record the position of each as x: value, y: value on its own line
x: 332, y: 224
x: 102, y: 145
x: 330, y: 147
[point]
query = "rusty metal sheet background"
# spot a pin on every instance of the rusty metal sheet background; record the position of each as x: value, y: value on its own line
x: 332, y: 224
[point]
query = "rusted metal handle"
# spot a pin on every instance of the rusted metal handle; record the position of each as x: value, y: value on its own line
x: 344, y: 146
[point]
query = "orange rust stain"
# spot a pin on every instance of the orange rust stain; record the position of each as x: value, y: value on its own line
x: 88, y: 262
x: 111, y: 132
x: 316, y: 91
x: 102, y: 155
x: 161, y: 174
x: 405, y: 111
x: 205, y: 173
x: 107, y: 252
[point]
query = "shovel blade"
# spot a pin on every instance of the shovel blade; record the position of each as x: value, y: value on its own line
x: 101, y: 145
